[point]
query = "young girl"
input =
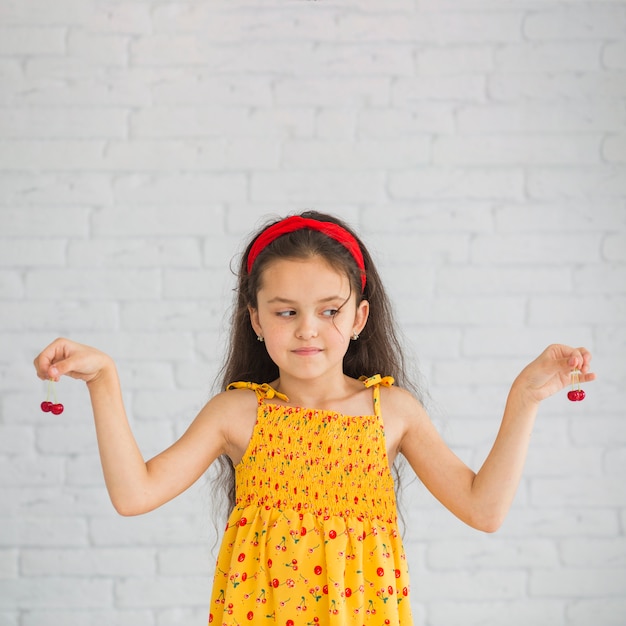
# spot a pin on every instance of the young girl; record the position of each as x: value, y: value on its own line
x: 311, y: 422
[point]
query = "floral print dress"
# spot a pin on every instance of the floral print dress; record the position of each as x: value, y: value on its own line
x: 313, y: 538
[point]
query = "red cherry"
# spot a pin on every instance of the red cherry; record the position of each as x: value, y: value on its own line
x: 318, y: 569
x: 332, y: 534
x: 575, y: 395
x: 46, y: 406
x: 57, y: 409
x: 250, y: 615
x: 241, y: 557
x: 380, y: 571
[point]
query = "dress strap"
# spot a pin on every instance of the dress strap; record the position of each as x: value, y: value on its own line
x: 376, y: 381
x: 263, y: 391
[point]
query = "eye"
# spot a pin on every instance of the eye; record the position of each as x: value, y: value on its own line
x: 330, y: 312
x: 288, y: 313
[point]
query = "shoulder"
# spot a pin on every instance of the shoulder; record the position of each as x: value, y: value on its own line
x: 400, y: 407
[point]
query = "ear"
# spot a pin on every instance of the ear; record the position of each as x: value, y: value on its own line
x: 360, y: 317
x: 254, y: 320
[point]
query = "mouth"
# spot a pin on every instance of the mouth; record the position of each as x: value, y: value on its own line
x: 307, y: 351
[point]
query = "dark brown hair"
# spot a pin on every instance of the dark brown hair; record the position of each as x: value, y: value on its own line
x: 377, y: 351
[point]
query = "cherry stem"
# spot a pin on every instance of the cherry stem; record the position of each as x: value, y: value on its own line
x: 52, y: 386
x: 575, y: 374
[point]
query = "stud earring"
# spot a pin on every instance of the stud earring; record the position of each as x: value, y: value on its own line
x: 576, y: 394
x: 355, y: 336
x: 260, y: 338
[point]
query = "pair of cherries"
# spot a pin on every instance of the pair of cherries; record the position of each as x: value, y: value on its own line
x: 576, y: 394
x: 56, y: 408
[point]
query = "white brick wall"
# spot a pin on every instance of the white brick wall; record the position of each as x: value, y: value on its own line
x: 478, y: 146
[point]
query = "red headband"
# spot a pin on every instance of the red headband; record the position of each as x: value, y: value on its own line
x: 290, y: 224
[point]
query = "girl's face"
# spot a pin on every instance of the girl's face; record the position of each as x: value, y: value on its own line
x: 307, y: 315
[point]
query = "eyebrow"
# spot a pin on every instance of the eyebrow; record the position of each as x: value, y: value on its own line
x: 281, y: 300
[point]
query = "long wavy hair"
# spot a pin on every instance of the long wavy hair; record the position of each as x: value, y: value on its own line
x: 377, y: 351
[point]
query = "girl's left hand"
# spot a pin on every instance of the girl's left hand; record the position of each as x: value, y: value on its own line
x: 551, y: 371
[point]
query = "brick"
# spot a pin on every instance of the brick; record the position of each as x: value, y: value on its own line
x: 557, y: 523
x: 32, y: 12
x: 355, y: 155
x: 51, y: 593
x: 577, y: 183
x: 534, y: 248
x: 518, y: 149
x: 31, y: 471
x: 49, y: 123
x: 155, y: 221
x: 447, y: 183
x: 31, y: 252
x: 549, y: 309
x: 308, y: 187
x: 132, y: 253
x: 130, y: 19
x: 614, y: 55
x: 594, y: 552
x: 550, y: 57
x: 614, y: 247
x: 50, y: 81
x: 159, y: 189
x: 162, y: 592
x: 391, y: 123
x: 155, y: 530
x: 555, y: 117
x: 53, y: 190
x: 193, y: 285
x: 504, y: 280
x: 548, y: 87
x: 614, y: 149
x: 575, y: 22
x: 441, y: 87
x: 584, y: 582
x: 516, y: 612
x: 332, y: 91
x: 94, y: 617
x: 197, y: 122
x: 200, y: 87
x: 490, y: 553
x: 176, y: 315
x: 183, y: 561
x: 99, y: 50
x: 607, y: 430
x: 23, y: 41
x: 475, y: 586
x: 11, y: 285
x: 16, y: 439
x: 559, y: 460
x: 454, y: 60
x: 607, y: 611
x: 74, y: 284
x: 581, y: 491
x: 91, y: 562
x: 8, y: 564
x: 42, y: 532
x: 572, y: 215
x: 28, y: 222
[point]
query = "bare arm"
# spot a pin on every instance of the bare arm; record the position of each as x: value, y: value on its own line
x: 483, y: 499
x: 135, y: 486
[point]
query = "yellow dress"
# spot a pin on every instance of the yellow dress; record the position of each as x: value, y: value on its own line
x: 313, y: 538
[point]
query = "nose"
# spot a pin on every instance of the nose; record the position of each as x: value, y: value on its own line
x: 307, y: 328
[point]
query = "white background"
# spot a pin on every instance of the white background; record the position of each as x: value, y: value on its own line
x: 478, y: 146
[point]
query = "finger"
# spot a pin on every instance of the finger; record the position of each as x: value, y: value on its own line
x: 47, y: 362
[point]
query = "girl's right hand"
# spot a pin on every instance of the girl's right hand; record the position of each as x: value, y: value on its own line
x: 67, y: 358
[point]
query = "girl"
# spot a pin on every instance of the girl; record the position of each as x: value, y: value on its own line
x: 310, y: 422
